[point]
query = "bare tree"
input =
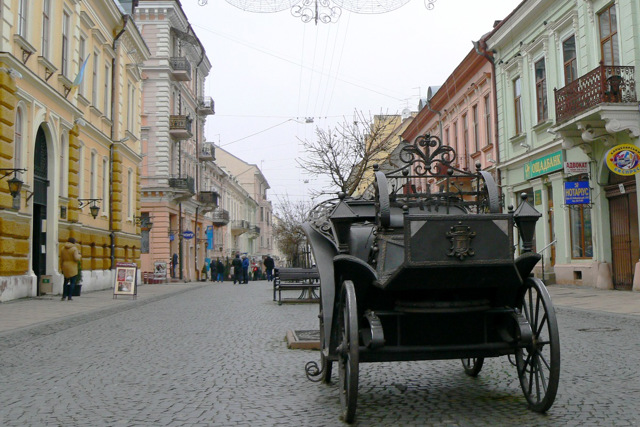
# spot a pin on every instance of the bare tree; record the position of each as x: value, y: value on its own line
x: 288, y: 232
x: 345, y: 152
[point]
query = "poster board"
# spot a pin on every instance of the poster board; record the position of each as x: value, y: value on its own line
x: 160, y: 269
x: 126, y: 279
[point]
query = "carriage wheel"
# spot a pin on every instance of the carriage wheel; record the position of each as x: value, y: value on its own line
x: 539, y: 363
x: 489, y: 194
x: 348, y: 351
x: 326, y: 365
x: 472, y: 367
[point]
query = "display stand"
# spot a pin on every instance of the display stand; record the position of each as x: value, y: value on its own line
x: 126, y: 279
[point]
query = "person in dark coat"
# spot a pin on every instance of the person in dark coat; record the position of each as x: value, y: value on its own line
x: 220, y: 270
x: 237, y: 269
x: 269, y: 265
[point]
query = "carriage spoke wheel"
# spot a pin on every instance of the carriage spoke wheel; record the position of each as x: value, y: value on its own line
x: 472, y: 366
x: 348, y: 351
x: 539, y: 363
x: 326, y: 365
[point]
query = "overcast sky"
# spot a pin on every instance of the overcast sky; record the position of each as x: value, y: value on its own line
x: 272, y: 73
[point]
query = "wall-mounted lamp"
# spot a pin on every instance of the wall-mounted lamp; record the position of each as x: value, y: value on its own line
x: 93, y: 206
x: 144, y: 222
x: 15, y: 183
x: 13, y: 73
x: 80, y: 121
x: 524, y: 145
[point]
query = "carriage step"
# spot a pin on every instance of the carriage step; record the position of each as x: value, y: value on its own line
x: 443, y: 306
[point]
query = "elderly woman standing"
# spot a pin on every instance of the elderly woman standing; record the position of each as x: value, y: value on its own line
x: 69, y: 257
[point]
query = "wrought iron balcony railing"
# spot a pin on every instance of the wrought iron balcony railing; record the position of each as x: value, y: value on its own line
x: 605, y: 84
x: 208, y: 197
x: 220, y: 217
x: 207, y: 152
x: 239, y: 226
x: 206, y: 106
x: 180, y: 126
x: 180, y: 68
x: 183, y: 184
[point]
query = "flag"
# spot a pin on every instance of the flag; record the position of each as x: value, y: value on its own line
x: 80, y: 76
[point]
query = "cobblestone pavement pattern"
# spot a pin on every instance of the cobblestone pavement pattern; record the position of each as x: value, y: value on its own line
x: 216, y: 356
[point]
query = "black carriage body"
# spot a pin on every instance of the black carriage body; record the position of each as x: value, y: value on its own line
x: 429, y: 276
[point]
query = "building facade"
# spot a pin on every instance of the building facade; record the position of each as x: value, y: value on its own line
x: 70, y: 99
x: 567, y: 107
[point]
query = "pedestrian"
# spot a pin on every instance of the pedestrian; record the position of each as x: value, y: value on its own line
x: 212, y: 269
x: 203, y: 277
x: 245, y: 269
x: 174, y: 264
x: 69, y: 258
x: 269, y: 265
x: 220, y: 270
x: 237, y: 269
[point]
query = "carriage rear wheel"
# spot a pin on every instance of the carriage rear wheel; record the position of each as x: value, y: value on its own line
x: 539, y: 363
x: 326, y: 365
x: 472, y: 366
x: 348, y: 351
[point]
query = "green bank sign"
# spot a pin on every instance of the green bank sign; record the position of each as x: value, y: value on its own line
x: 544, y: 165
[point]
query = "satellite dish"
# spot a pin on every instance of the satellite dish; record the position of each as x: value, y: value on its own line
x: 406, y: 113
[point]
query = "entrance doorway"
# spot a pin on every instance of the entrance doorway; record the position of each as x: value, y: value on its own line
x: 40, y: 185
x: 623, y: 214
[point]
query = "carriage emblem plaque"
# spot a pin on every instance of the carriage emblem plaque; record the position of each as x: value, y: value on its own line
x: 460, y: 237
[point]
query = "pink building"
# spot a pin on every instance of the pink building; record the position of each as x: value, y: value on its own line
x: 461, y: 113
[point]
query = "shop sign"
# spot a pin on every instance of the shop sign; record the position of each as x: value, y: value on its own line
x: 188, y: 234
x: 624, y: 159
x: 575, y: 168
x: 544, y: 165
x: 537, y: 197
x: 577, y: 193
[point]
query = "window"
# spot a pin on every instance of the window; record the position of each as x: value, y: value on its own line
x: 81, y: 194
x: 130, y: 106
x: 447, y: 142
x: 541, y: 91
x: 64, y: 66
x: 23, y: 11
x: 107, y: 93
x: 105, y: 185
x: 82, y: 50
x: 64, y: 165
x: 517, y: 104
x: 94, y: 80
x: 487, y: 118
x: 46, y: 22
x: 130, y: 194
x: 93, y: 176
x: 580, y: 223
x: 569, y: 58
x: 455, y: 137
x: 465, y: 138
x: 17, y: 141
x: 607, y: 22
x: 476, y: 144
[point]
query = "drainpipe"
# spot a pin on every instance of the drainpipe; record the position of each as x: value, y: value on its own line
x: 481, y: 48
x: 112, y: 235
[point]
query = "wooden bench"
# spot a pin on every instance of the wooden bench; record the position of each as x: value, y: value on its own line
x: 306, y: 280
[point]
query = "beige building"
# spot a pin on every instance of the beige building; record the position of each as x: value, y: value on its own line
x: 70, y: 91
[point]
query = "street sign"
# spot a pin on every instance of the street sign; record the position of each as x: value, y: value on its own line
x: 577, y: 193
x: 187, y: 234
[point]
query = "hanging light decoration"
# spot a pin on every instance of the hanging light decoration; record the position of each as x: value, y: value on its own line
x: 325, y: 11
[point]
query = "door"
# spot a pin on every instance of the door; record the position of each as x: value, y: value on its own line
x: 552, y: 233
x: 40, y: 186
x: 623, y: 214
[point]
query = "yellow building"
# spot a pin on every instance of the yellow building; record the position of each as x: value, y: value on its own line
x: 70, y: 93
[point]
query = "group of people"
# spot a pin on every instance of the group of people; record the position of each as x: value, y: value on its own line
x: 240, y: 266
x: 216, y: 269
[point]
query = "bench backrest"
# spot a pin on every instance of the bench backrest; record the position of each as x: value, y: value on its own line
x: 297, y: 273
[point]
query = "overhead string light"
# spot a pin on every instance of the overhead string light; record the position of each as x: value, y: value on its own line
x: 324, y: 11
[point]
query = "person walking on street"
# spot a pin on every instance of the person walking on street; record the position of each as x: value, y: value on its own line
x: 245, y: 269
x: 69, y: 258
x: 237, y: 269
x: 220, y: 270
x: 269, y: 265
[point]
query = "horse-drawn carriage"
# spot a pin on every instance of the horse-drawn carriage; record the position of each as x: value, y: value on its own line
x: 426, y: 269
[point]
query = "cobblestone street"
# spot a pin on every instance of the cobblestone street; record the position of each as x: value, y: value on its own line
x: 216, y: 355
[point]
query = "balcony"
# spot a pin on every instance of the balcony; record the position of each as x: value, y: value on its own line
x: 180, y: 127
x: 209, y: 198
x: 206, y: 106
x: 220, y: 217
x: 239, y: 226
x: 183, y: 187
x: 180, y: 68
x: 254, y: 231
x: 207, y: 152
x: 603, y: 85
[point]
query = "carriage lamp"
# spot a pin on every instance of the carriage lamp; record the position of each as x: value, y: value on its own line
x: 144, y: 222
x: 15, y: 183
x: 93, y: 206
x: 525, y: 218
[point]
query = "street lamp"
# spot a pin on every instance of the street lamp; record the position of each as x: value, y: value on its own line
x: 93, y: 206
x: 144, y: 222
x: 15, y: 183
x: 525, y: 218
